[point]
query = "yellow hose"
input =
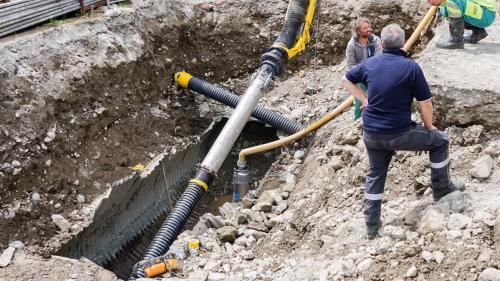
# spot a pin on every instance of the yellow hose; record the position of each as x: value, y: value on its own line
x: 420, y: 28
x: 339, y: 109
x: 284, y: 141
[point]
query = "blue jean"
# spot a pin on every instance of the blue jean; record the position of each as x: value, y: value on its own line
x: 487, y: 18
x: 381, y: 148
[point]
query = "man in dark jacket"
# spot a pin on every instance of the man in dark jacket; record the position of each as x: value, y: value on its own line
x: 393, y: 82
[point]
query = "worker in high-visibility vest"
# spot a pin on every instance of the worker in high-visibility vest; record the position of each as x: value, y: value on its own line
x: 469, y: 14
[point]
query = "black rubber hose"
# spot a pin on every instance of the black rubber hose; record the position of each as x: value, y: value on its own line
x: 272, y: 118
x: 293, y: 22
x: 174, y: 223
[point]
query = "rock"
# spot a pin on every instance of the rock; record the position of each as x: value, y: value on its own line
x: 364, y: 265
x: 490, y: 274
x: 458, y: 221
x: 247, y: 203
x: 255, y: 216
x: 427, y: 256
x: 7, y: 256
x: 484, y: 256
x: 17, y: 244
x: 411, y: 236
x: 335, y: 163
x: 340, y: 267
x: 350, y: 137
x: 482, y: 167
x: 241, y: 219
x: 453, y: 201
x: 198, y: 275
x: 200, y: 228
x: 179, y: 249
x: 412, y: 272
x: 472, y: 134
x: 411, y: 251
x: 433, y: 220
x: 241, y: 241
x: 281, y: 207
x: 213, y: 221
x: 216, y: 276
x: 438, y: 256
x: 258, y: 226
x: 299, y: 154
x: 35, y: 197
x: 247, y: 255
x: 15, y: 163
x: 227, y: 233
x: 212, y: 265
x: 290, y: 183
x: 484, y: 217
x: 228, y: 210
x: 262, y: 207
x: 422, y: 183
x: 51, y: 134
x: 395, y: 232
x: 80, y: 198
x: 453, y: 234
x: 204, y: 109
x: 61, y: 222
x: 496, y: 230
x: 237, y: 268
x: 493, y: 148
x: 266, y: 197
x: 17, y: 171
x: 229, y: 249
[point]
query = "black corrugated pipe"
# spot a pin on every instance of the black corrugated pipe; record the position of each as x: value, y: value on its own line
x: 221, y: 95
x: 293, y: 23
x: 273, y: 64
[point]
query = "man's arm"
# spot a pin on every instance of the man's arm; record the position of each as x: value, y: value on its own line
x: 354, y: 90
x: 426, y: 109
x: 349, y: 54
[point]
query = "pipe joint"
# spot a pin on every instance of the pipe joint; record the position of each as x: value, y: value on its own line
x: 275, y: 60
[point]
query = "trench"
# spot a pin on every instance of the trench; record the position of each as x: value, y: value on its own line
x: 111, y: 239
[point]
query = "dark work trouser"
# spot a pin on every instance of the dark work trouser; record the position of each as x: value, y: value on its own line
x: 380, y: 149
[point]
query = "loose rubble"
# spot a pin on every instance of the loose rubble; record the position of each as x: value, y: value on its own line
x: 305, y: 220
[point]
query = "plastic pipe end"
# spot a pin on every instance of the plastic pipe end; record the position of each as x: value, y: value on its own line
x: 182, y: 78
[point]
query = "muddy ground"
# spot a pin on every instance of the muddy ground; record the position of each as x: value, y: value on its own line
x: 84, y: 102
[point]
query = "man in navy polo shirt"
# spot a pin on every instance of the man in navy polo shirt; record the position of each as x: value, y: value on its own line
x: 393, y: 81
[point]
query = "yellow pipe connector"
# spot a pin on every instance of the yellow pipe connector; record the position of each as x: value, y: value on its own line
x: 182, y: 78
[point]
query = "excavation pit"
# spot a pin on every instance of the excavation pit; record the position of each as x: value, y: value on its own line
x: 117, y: 216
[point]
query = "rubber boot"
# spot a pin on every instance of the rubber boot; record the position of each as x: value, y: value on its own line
x: 454, y: 186
x: 477, y: 35
x: 372, y: 230
x: 456, y: 35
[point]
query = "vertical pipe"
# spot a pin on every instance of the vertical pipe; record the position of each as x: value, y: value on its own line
x: 224, y: 142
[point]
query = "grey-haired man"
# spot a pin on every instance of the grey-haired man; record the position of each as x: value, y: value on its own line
x: 393, y: 82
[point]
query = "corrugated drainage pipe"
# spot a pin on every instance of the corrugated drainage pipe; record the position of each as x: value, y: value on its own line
x: 299, y: 17
x: 267, y: 116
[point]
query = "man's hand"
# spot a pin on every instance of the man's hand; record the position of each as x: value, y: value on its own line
x: 435, y: 2
x: 364, y: 105
x: 431, y: 128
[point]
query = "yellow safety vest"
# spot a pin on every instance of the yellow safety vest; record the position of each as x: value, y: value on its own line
x: 488, y: 4
x: 474, y: 8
